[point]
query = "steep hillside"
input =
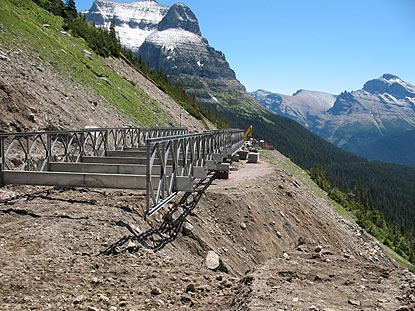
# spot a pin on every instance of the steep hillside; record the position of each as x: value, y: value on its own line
x: 51, y: 80
x: 281, y: 244
x: 280, y: 241
x: 396, y: 147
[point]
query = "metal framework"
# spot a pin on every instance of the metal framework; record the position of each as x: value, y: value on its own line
x: 184, y: 158
x: 173, y: 221
x: 174, y: 160
x: 33, y: 151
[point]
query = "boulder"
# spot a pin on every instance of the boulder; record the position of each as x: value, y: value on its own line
x: 212, y: 260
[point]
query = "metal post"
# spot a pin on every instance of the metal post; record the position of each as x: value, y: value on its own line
x: 106, y: 141
x: 148, y: 178
x: 82, y: 147
x: 48, y: 151
x: 2, y: 160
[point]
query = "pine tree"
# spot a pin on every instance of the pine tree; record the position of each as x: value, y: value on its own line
x: 71, y: 8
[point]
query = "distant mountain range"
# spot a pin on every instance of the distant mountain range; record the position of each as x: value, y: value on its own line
x: 372, y: 122
x: 377, y: 121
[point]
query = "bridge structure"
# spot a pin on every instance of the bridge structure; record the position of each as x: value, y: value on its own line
x: 163, y: 161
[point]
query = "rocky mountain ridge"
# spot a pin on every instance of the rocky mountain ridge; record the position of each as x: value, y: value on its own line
x: 301, y: 106
x: 173, y: 43
x: 380, y: 113
x: 168, y: 39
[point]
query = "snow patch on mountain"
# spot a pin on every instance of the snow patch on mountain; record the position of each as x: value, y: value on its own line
x: 131, y: 38
x: 134, y: 21
x: 392, y: 85
x: 172, y: 39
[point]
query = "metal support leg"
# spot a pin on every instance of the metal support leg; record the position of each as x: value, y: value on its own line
x: 2, y: 160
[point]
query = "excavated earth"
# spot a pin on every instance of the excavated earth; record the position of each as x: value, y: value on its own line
x: 281, y: 243
x: 34, y: 97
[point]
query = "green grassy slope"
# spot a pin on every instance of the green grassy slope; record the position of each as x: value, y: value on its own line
x: 24, y: 29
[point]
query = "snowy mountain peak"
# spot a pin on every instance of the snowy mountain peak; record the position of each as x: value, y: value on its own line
x: 134, y: 21
x: 389, y: 76
x: 390, y: 84
x: 180, y: 16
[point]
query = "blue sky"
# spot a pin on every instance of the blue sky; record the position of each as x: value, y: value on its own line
x: 322, y: 45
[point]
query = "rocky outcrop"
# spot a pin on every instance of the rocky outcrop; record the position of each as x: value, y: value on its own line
x: 179, y: 16
x: 345, y: 104
x: 169, y: 39
x: 133, y: 21
x: 177, y: 52
x: 390, y: 84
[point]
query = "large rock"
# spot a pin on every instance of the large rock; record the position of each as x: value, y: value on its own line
x: 212, y: 260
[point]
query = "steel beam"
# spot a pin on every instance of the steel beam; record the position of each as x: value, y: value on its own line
x: 70, y: 179
x: 116, y: 158
x: 104, y: 168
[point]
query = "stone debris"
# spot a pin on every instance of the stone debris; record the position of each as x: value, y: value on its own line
x: 354, y: 302
x: 187, y: 229
x: 155, y: 291
x: 87, y: 54
x: 190, y: 288
x: 4, y: 57
x: 106, y: 80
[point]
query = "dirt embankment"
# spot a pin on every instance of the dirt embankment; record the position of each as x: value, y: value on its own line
x: 34, y: 97
x: 283, y: 247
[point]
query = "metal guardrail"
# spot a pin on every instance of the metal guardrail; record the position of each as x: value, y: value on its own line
x: 173, y: 157
x: 183, y: 158
x: 33, y: 151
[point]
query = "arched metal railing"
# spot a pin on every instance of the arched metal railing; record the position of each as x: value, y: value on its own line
x: 183, y: 158
x: 173, y: 158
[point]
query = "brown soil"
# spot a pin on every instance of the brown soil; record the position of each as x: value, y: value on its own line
x: 33, y: 97
x: 283, y: 247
